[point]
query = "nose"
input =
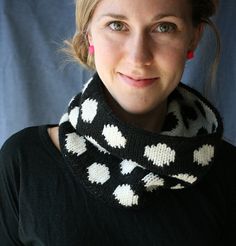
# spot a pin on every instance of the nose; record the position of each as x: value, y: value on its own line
x: 139, y: 50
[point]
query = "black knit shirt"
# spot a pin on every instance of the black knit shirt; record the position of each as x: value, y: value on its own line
x: 42, y: 204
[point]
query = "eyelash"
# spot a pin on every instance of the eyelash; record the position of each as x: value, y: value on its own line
x: 115, y: 22
x: 171, y: 26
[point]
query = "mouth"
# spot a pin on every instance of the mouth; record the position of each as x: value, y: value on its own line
x: 139, y: 82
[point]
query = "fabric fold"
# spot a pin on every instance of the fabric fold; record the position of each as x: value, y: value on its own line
x: 120, y: 163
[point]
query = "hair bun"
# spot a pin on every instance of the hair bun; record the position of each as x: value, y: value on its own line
x: 203, y: 9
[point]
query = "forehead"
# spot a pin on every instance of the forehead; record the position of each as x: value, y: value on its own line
x: 144, y: 8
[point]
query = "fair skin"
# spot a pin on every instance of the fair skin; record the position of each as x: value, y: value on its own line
x: 140, y: 53
x: 141, y: 40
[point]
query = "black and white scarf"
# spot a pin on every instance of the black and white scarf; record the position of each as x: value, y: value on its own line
x: 120, y: 164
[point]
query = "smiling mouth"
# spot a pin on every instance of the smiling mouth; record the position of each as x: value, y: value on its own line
x: 137, y: 82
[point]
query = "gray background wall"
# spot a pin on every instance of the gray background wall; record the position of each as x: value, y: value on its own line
x: 35, y: 83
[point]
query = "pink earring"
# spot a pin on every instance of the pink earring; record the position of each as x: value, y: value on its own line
x: 190, y: 54
x: 91, y: 50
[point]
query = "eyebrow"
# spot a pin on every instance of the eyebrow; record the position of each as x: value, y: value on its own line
x: 123, y: 17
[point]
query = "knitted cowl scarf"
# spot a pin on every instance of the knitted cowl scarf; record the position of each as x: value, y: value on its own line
x: 122, y: 164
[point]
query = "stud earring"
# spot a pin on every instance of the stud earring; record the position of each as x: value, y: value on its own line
x: 190, y: 54
x: 91, y: 50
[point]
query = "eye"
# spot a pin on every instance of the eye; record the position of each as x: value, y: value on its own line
x: 117, y: 26
x: 166, y: 27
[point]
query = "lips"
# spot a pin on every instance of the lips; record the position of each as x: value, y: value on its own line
x: 139, y: 82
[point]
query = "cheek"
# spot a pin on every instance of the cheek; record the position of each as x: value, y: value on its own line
x: 106, y: 43
x: 171, y: 59
x: 106, y: 52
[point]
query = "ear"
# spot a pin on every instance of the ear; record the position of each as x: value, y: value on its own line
x: 90, y: 39
x: 197, y: 35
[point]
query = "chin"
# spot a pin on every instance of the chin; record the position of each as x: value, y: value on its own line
x: 136, y: 111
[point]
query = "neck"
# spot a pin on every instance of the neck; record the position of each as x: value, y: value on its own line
x: 150, y: 121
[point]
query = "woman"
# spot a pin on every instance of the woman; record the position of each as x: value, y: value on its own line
x: 138, y: 158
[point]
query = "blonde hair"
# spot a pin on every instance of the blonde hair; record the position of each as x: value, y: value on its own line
x: 77, y: 47
x: 202, y: 10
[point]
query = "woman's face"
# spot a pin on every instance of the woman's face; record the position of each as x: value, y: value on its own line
x: 140, y: 49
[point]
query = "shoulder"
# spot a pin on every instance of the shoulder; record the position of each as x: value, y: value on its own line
x: 28, y: 153
x: 21, y: 140
x: 12, y: 156
x: 20, y: 146
x: 226, y: 158
x: 227, y: 152
x: 225, y: 168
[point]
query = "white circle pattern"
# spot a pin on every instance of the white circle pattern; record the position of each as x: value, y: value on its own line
x: 157, y: 155
x: 64, y: 118
x: 186, y: 177
x: 177, y: 187
x: 152, y: 182
x: 98, y: 173
x: 95, y: 143
x: 160, y: 154
x: 113, y: 136
x: 75, y: 144
x: 89, y: 110
x: 127, y: 166
x: 204, y: 155
x: 125, y: 195
x: 73, y: 116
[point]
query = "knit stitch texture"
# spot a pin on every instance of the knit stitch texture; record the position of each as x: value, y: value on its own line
x: 122, y: 164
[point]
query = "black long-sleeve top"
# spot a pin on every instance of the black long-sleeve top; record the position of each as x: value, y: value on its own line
x: 42, y: 204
